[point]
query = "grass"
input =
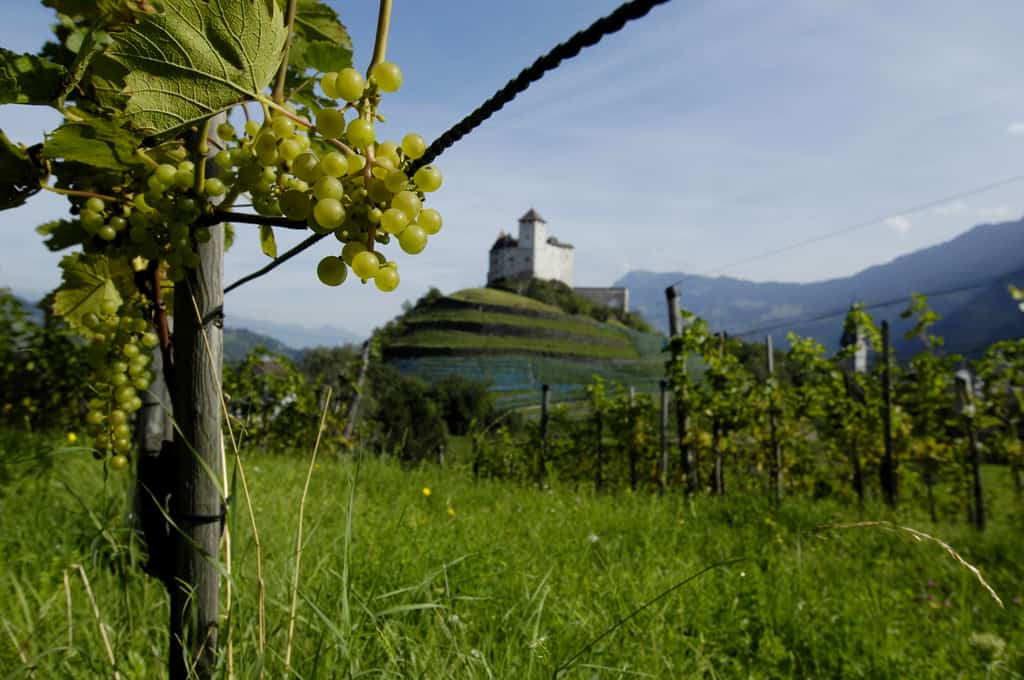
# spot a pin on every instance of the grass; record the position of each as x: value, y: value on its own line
x: 460, y: 340
x: 493, y: 580
x: 501, y: 298
x: 571, y: 326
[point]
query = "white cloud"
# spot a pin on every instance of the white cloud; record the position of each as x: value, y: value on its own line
x: 1016, y: 128
x: 899, y: 224
x: 952, y: 208
x: 995, y: 212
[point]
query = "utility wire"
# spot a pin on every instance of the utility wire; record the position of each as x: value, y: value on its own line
x: 588, y: 37
x: 855, y: 227
x: 822, y: 316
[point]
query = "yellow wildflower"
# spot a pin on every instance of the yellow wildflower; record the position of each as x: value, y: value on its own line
x: 72, y: 437
x: 426, y: 491
x: 451, y: 511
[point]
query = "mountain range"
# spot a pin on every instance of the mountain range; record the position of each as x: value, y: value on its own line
x: 966, y: 279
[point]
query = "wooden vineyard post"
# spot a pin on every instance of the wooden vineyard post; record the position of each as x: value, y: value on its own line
x: 545, y: 403
x: 775, y: 447
x: 888, y: 461
x: 353, y: 409
x: 633, y: 481
x: 967, y: 409
x: 690, y: 470
x: 663, y: 467
x: 197, y: 506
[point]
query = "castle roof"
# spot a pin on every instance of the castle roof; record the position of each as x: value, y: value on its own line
x: 505, y: 241
x: 532, y: 216
x: 559, y: 244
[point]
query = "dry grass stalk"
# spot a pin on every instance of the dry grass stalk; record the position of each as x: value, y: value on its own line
x: 99, y: 619
x: 921, y: 536
x: 298, y: 539
x: 71, y: 621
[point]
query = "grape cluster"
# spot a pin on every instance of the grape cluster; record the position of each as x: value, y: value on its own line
x: 119, y: 356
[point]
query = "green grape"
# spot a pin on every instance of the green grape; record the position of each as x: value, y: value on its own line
x: 118, y: 379
x: 328, y: 213
x: 295, y: 204
x: 328, y: 187
x: 307, y: 168
x: 91, y: 220
x: 382, y: 167
x: 90, y: 320
x: 430, y: 220
x: 203, y: 235
x: 365, y: 264
x: 141, y: 383
x: 268, y: 157
x: 413, y: 145
x: 109, y: 307
x: 130, y: 350
x: 386, y: 279
x: 186, y: 166
x: 223, y: 160
x: 226, y: 130
x: 393, y: 221
x: 283, y: 126
x: 332, y: 271
x: 252, y: 128
x: 351, y: 249
x: 334, y: 164
x: 349, y: 84
x: 122, y: 431
x: 117, y: 416
x: 106, y: 233
x: 330, y: 123
x: 428, y: 178
x: 266, y: 141
x: 95, y: 204
x: 355, y: 163
x: 396, y: 181
x: 165, y: 174
x: 121, y: 446
x: 373, y: 215
x: 139, y: 201
x: 184, y: 178
x: 214, y: 187
x: 149, y: 340
x: 387, y: 75
x: 290, y: 149
x: 361, y: 133
x: 388, y: 150
x: 95, y: 417
x: 327, y: 84
x: 413, y: 239
x: 118, y: 462
x: 117, y: 223
x: 124, y: 394
x: 378, y: 192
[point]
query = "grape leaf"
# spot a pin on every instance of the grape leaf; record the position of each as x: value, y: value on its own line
x: 316, y: 21
x: 320, y: 55
x: 197, y: 58
x: 28, y: 79
x: 267, y: 241
x: 97, y: 142
x: 88, y: 282
x: 61, y: 234
x: 20, y: 174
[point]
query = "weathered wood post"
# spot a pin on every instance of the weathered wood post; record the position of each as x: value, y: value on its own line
x: 689, y: 468
x: 965, y: 394
x: 663, y: 467
x: 888, y: 471
x: 633, y: 479
x: 775, y: 448
x: 353, y: 409
x: 197, y: 506
x: 545, y: 404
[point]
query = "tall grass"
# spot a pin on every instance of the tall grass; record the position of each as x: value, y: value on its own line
x: 491, y: 580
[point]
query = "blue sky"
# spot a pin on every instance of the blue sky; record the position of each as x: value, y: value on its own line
x: 702, y: 134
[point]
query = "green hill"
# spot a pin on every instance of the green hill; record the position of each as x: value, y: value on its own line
x: 516, y: 344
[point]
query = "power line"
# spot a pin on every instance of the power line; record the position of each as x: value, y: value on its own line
x: 855, y: 227
x: 801, y: 321
x: 588, y: 37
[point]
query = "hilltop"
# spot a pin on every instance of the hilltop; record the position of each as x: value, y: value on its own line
x: 517, y: 344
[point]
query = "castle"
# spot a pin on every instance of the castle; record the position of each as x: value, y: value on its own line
x: 541, y: 256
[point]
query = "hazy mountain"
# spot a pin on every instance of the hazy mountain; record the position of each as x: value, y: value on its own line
x: 295, y: 335
x: 238, y: 342
x: 988, y: 254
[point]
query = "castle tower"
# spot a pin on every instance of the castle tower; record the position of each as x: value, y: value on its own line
x: 532, y: 232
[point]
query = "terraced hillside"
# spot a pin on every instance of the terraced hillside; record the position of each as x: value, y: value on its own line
x: 517, y: 344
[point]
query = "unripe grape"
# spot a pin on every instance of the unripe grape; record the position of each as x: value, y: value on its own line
x: 121, y: 446
x: 378, y: 192
x: 283, y: 126
x: 349, y: 84
x: 106, y: 233
x: 330, y: 123
x: 351, y: 249
x: 361, y: 133
x: 149, y: 339
x: 184, y: 178
x: 328, y: 213
x: 130, y: 350
x: 109, y: 307
x: 122, y: 431
x: 394, y: 221
x: 118, y: 416
x: 386, y: 279
x: 92, y: 221
x: 307, y: 168
x: 413, y: 145
x: 355, y: 163
x: 134, y: 404
x: 118, y: 379
x: 95, y: 417
x: 252, y: 128
x: 387, y: 75
x: 334, y: 164
x: 388, y: 150
x: 214, y: 187
x: 428, y: 178
x: 413, y: 239
x: 290, y: 149
x: 327, y: 84
x: 365, y: 264
x: 124, y: 394
x: 267, y: 157
x: 165, y: 174
x: 141, y: 383
x: 396, y: 181
x: 332, y: 271
x: 430, y: 220
x: 267, y: 141
x: 95, y: 204
x: 373, y: 215
x: 117, y: 223
x: 408, y: 202
x: 328, y: 187
x: 226, y: 130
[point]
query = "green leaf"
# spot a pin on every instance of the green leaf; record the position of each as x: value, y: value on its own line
x: 315, y: 21
x: 28, y: 79
x: 97, y: 142
x: 196, y: 59
x: 321, y: 55
x: 88, y: 282
x: 267, y: 242
x: 61, y: 234
x: 20, y: 174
